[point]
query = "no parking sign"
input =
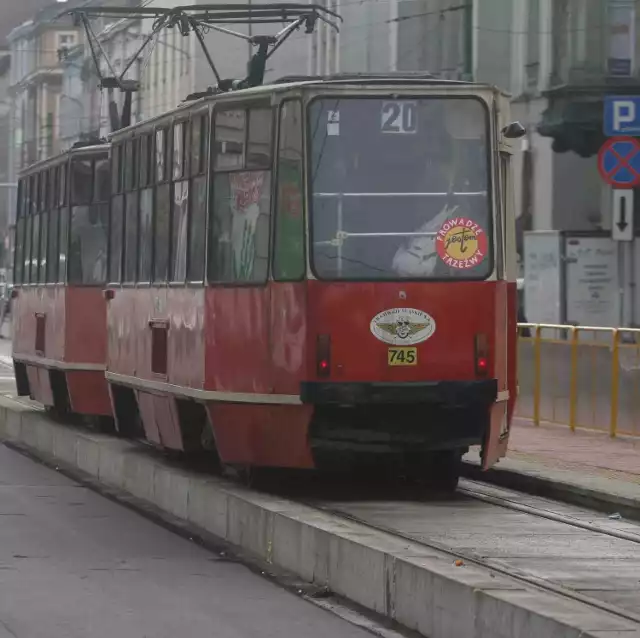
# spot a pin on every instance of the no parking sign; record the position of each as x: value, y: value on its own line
x: 619, y: 162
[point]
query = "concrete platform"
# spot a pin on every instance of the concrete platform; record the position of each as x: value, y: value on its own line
x: 420, y: 588
x: 583, y: 468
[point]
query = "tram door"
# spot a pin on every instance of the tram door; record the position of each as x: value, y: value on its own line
x: 505, y: 328
x: 288, y: 265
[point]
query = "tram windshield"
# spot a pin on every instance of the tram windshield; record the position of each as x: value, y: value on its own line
x: 400, y: 188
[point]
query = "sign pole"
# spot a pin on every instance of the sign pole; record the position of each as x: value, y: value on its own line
x: 621, y: 280
x: 622, y: 118
x: 632, y: 284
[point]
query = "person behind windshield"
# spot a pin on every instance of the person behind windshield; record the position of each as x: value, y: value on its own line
x: 456, y: 165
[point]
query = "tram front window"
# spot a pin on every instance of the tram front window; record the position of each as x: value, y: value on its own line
x: 400, y: 188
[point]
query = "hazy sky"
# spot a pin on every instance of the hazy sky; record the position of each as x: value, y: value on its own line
x: 15, y: 12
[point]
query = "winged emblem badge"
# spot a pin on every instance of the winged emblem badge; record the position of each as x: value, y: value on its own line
x: 402, y: 326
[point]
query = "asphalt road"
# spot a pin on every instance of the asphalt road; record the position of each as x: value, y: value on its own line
x: 74, y: 564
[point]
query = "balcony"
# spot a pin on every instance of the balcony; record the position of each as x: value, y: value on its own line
x: 593, y: 55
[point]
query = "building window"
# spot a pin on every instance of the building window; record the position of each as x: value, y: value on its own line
x: 66, y: 40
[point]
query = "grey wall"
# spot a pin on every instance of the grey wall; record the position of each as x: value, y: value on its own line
x: 493, y: 36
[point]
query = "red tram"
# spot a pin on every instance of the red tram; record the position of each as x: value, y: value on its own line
x: 59, y: 312
x: 313, y: 273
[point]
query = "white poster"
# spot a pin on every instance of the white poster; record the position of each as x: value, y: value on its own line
x: 622, y: 37
x: 542, y: 277
x: 591, y: 281
x: 246, y: 192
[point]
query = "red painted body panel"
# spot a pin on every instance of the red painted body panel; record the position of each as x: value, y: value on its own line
x: 237, y: 340
x: 495, y: 447
x: 50, y: 301
x: 267, y: 435
x: 261, y: 340
x: 88, y: 392
x: 129, y: 333
x: 74, y: 333
x: 130, y: 314
x: 85, y: 327
x: 460, y: 311
x: 289, y: 327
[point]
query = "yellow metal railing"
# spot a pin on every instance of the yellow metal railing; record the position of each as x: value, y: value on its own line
x: 580, y: 376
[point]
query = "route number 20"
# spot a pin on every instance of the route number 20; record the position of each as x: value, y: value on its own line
x: 399, y: 117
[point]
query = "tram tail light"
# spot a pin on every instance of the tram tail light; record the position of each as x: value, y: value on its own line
x: 481, y: 355
x: 323, y: 355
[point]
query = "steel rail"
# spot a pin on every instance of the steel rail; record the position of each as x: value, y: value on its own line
x: 497, y: 565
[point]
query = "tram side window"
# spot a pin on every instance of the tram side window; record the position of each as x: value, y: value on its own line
x: 146, y: 239
x: 195, y: 271
x: 179, y: 226
x: 180, y: 206
x: 44, y: 226
x: 239, y: 244
x: 33, y: 257
x: 44, y: 190
x: 131, y: 216
x: 18, y: 255
x: 116, y: 221
x: 116, y: 168
x: 130, y: 237
x: 146, y: 210
x: 162, y: 208
x: 198, y: 213
x: 88, y: 228
x: 99, y: 219
x: 81, y: 182
x: 63, y: 200
x: 162, y: 153
x: 288, y: 254
x: 180, y: 150
x: 35, y: 247
x: 162, y: 232
x: 52, y: 247
x: 26, y: 258
x: 145, y: 166
x: 53, y: 188
x: 51, y: 275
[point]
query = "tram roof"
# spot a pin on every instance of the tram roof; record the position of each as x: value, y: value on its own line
x: 77, y: 150
x: 292, y: 82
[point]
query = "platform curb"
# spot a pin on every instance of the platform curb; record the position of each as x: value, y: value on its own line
x: 565, y: 491
x: 418, y: 587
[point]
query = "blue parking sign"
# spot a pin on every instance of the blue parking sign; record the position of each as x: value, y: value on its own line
x: 621, y: 115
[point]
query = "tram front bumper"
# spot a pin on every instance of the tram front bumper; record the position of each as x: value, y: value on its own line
x: 482, y: 392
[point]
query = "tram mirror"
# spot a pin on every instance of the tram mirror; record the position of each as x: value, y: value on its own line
x: 514, y: 131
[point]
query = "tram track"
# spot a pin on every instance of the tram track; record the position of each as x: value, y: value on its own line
x: 488, y: 495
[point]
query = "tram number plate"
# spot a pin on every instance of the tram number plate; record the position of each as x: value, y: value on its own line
x: 402, y: 356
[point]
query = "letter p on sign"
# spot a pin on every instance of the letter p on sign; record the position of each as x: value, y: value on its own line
x: 624, y: 112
